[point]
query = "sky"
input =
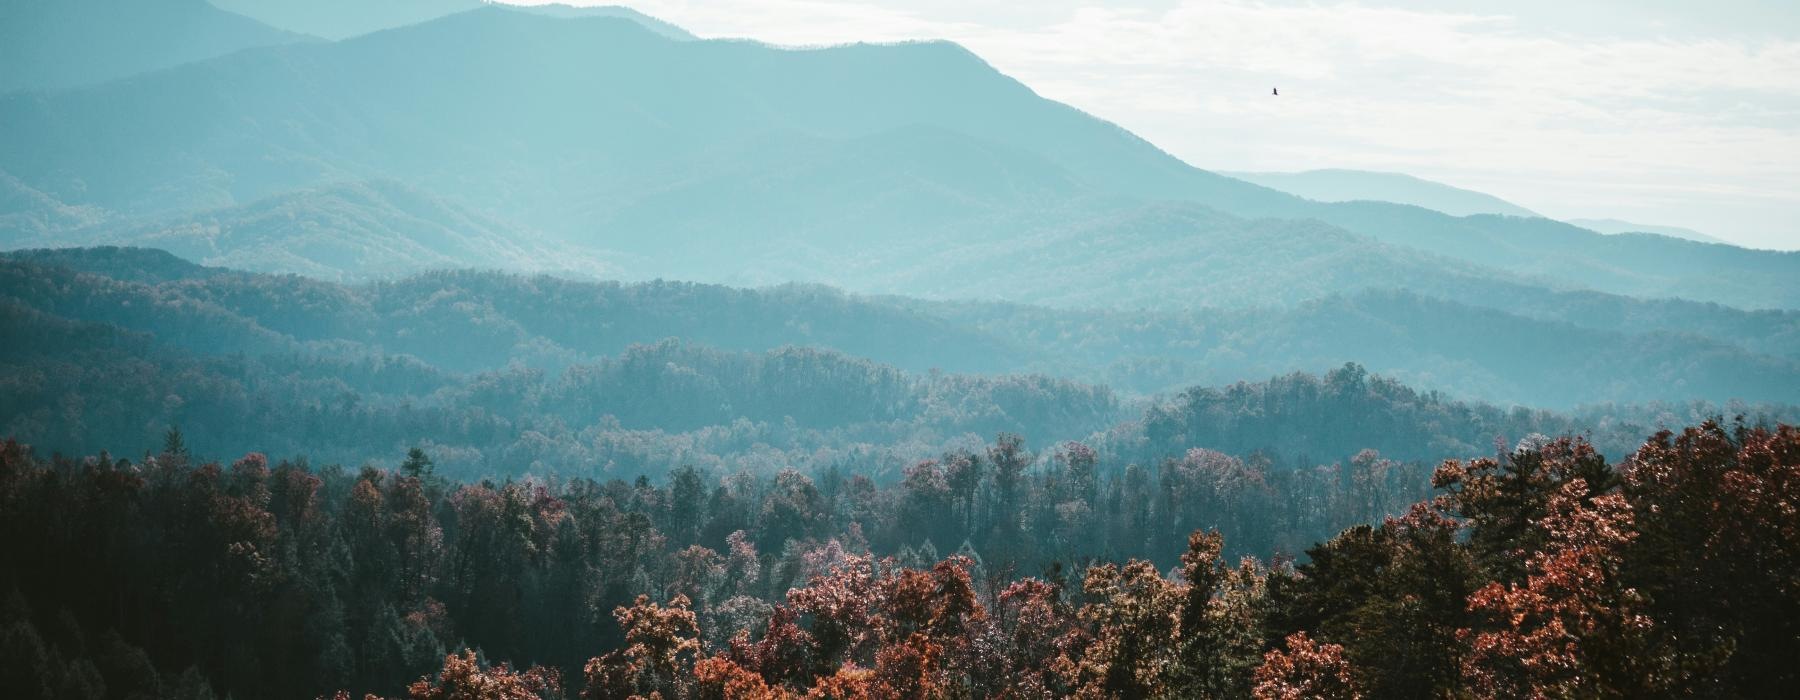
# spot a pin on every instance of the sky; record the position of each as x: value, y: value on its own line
x: 1665, y: 112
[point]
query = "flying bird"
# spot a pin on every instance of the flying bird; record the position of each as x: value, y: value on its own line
x: 1274, y: 91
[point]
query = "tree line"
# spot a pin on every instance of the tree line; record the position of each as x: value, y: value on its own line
x: 1541, y: 570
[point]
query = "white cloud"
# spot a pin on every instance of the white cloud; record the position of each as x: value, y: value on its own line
x: 1697, y: 131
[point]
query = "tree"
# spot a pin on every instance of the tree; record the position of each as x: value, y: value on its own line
x: 1572, y: 628
x: 687, y: 505
x: 661, y: 646
x: 1305, y: 670
x: 1041, y: 637
x: 963, y: 471
x: 1009, y: 460
x: 1718, y: 557
x: 1503, y: 500
x: 463, y: 678
x: 1134, y: 616
x: 417, y: 465
x: 1219, y: 634
x: 174, y: 444
x: 1402, y: 638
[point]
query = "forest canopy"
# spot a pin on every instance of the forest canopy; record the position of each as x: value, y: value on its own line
x: 1542, y: 570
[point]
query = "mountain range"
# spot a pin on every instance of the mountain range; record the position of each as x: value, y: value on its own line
x: 1597, y: 349
x: 740, y: 162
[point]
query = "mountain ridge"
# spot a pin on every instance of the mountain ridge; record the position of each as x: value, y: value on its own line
x: 507, y: 127
x: 1342, y: 185
x: 468, y: 321
x: 52, y: 44
x: 1617, y: 226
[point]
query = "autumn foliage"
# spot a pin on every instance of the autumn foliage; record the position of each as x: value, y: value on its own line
x: 1540, y: 571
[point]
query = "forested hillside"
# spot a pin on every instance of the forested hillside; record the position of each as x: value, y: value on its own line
x: 1574, y: 349
x: 330, y: 231
x: 977, y: 574
x: 505, y: 375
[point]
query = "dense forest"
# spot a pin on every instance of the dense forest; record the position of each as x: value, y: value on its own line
x: 503, y: 375
x: 1541, y: 570
x: 81, y: 388
x: 494, y: 485
x: 1553, y: 350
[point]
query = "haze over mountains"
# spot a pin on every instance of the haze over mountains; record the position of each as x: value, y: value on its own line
x: 1353, y: 185
x: 342, y: 19
x: 48, y: 44
x: 1617, y: 226
x: 1337, y: 185
x: 1597, y: 350
x: 598, y: 143
x: 144, y: 339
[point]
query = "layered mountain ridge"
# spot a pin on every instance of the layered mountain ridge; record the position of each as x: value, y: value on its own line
x: 1596, y: 350
x: 698, y: 159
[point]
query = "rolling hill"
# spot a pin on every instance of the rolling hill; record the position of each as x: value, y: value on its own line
x: 482, y: 322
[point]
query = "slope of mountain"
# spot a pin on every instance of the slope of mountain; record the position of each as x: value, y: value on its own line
x: 473, y: 322
x: 1615, y: 226
x: 505, y: 373
x: 28, y: 215
x: 1645, y: 266
x: 477, y: 321
x: 342, y: 19
x: 1333, y: 185
x: 48, y: 44
x: 661, y: 28
x: 139, y: 265
x: 1589, y: 354
x: 611, y: 136
x: 653, y: 406
x: 346, y: 231
x: 1124, y: 254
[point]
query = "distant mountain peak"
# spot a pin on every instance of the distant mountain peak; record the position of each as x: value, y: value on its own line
x: 342, y: 19
x: 665, y: 29
x: 1340, y: 185
x: 1616, y: 226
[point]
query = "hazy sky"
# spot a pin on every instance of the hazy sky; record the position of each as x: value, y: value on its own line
x: 1655, y: 111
